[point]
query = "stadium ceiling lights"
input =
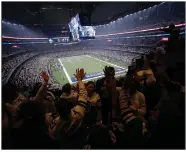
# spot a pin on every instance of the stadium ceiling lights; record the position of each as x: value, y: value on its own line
x: 178, y: 25
x: 10, y: 23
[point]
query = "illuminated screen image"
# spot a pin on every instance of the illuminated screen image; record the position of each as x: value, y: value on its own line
x: 73, y: 23
x: 50, y: 41
x: 87, y: 31
x: 79, y: 31
x: 75, y: 27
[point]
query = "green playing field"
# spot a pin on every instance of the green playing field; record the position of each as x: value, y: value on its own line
x: 63, y: 69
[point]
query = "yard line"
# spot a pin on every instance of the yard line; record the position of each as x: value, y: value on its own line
x: 106, y: 62
x: 68, y: 77
x: 72, y: 64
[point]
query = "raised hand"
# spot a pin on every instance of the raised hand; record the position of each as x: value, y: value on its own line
x: 82, y: 73
x: 79, y: 74
x: 45, y: 76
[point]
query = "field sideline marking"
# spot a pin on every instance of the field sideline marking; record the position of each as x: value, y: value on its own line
x: 66, y: 73
x: 106, y: 62
x: 101, y: 75
x: 98, y: 77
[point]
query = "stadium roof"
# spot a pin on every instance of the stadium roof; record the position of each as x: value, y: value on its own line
x: 59, y: 13
x: 36, y: 12
x: 53, y: 17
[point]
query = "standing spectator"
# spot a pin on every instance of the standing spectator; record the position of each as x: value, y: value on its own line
x: 132, y: 106
x: 107, y: 93
x: 137, y: 103
x: 68, y: 94
x: 94, y: 103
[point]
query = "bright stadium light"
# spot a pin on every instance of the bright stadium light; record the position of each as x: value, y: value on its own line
x: 144, y: 30
x: 50, y: 41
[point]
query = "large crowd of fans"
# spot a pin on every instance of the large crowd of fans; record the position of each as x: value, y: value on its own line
x: 28, y: 73
x: 143, y: 110
x: 8, y: 65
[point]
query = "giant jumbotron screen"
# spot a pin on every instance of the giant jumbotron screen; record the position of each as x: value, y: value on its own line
x: 78, y: 31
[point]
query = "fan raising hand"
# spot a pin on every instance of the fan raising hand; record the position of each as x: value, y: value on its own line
x: 79, y: 74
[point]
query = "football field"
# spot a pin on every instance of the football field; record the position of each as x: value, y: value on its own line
x: 63, y: 69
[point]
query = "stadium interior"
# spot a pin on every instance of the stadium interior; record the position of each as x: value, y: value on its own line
x: 93, y: 75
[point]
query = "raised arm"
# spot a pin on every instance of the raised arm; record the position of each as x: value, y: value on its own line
x: 42, y: 90
x: 79, y: 110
